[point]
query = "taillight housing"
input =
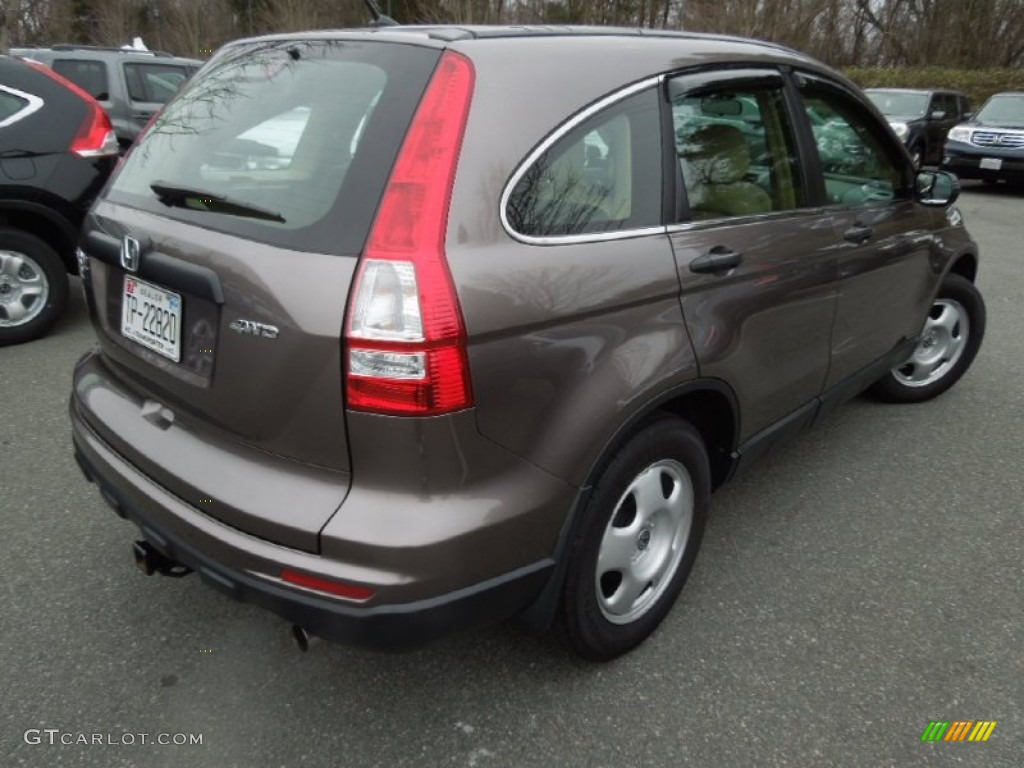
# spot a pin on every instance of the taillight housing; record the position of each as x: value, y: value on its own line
x: 95, y: 136
x: 405, y: 335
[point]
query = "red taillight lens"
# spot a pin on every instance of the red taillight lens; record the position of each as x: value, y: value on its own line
x: 95, y: 136
x: 336, y: 588
x: 405, y: 333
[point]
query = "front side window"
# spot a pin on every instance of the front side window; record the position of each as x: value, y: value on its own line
x: 602, y: 176
x: 154, y: 83
x: 943, y: 107
x: 859, y: 163
x: 736, y: 149
x: 90, y: 76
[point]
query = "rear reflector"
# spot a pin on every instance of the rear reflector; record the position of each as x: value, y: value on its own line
x: 405, y: 335
x: 336, y: 588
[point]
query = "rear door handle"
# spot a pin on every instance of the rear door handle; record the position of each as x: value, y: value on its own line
x: 858, y: 233
x: 718, y: 259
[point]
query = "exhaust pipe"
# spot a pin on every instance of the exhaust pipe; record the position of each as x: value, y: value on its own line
x: 150, y: 560
x: 301, y: 637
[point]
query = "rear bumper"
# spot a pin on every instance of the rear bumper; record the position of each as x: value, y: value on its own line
x: 382, y: 626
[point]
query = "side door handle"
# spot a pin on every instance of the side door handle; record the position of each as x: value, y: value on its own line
x: 718, y: 259
x: 858, y: 233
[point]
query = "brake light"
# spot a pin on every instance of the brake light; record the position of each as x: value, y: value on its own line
x: 405, y: 334
x: 95, y: 136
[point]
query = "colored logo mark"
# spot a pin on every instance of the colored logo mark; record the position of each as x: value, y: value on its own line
x: 958, y: 730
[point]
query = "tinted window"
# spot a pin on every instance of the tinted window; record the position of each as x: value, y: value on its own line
x: 602, y: 176
x: 154, y: 82
x: 859, y: 163
x: 90, y: 76
x: 736, y: 150
x: 274, y: 128
x: 10, y: 105
x: 946, y: 104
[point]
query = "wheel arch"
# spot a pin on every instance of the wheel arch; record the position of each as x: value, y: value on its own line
x: 45, y: 223
x: 710, y: 406
x: 965, y: 265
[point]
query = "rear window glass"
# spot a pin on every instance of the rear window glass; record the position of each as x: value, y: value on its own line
x: 286, y: 142
x: 90, y: 76
x: 154, y: 82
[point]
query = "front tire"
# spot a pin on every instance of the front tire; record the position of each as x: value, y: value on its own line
x: 917, y: 156
x: 33, y: 287
x: 637, y: 540
x: 950, y: 339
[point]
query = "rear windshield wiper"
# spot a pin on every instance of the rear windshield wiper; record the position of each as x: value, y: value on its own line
x: 201, y: 200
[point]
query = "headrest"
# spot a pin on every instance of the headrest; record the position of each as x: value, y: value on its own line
x: 717, y: 153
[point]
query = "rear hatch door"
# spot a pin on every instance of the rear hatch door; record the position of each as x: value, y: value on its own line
x: 221, y: 260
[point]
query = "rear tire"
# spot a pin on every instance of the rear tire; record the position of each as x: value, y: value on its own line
x: 637, y: 540
x: 33, y: 287
x: 950, y: 339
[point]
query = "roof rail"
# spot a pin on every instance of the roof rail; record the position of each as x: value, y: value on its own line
x: 109, y: 49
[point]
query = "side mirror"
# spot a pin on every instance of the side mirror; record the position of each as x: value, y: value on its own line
x: 938, y: 188
x: 938, y: 114
x: 967, y: 116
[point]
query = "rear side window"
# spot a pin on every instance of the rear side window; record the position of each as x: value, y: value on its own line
x: 602, y: 176
x: 284, y: 142
x: 16, y: 105
x: 155, y: 83
x: 10, y: 105
x: 90, y: 76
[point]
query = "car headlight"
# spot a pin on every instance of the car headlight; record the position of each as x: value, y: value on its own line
x: 960, y: 133
x: 902, y: 130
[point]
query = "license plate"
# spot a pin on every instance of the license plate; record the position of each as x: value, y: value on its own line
x: 991, y: 163
x: 152, y: 317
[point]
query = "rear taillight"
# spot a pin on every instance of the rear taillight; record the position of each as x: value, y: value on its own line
x: 95, y: 136
x: 405, y: 334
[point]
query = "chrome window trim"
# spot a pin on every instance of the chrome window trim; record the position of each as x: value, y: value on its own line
x: 34, y: 105
x: 752, y: 218
x: 545, y: 145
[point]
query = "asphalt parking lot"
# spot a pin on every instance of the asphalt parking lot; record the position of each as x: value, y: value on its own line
x: 852, y: 587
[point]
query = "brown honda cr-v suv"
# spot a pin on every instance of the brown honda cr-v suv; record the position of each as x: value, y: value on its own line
x: 406, y: 330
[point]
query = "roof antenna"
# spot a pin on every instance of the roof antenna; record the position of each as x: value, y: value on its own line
x: 379, y: 19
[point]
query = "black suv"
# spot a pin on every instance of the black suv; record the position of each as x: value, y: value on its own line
x: 921, y: 118
x: 132, y: 85
x: 57, y: 148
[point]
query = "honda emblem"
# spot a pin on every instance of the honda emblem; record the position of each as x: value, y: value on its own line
x: 130, y: 254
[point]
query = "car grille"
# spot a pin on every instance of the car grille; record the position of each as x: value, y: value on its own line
x: 998, y: 139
